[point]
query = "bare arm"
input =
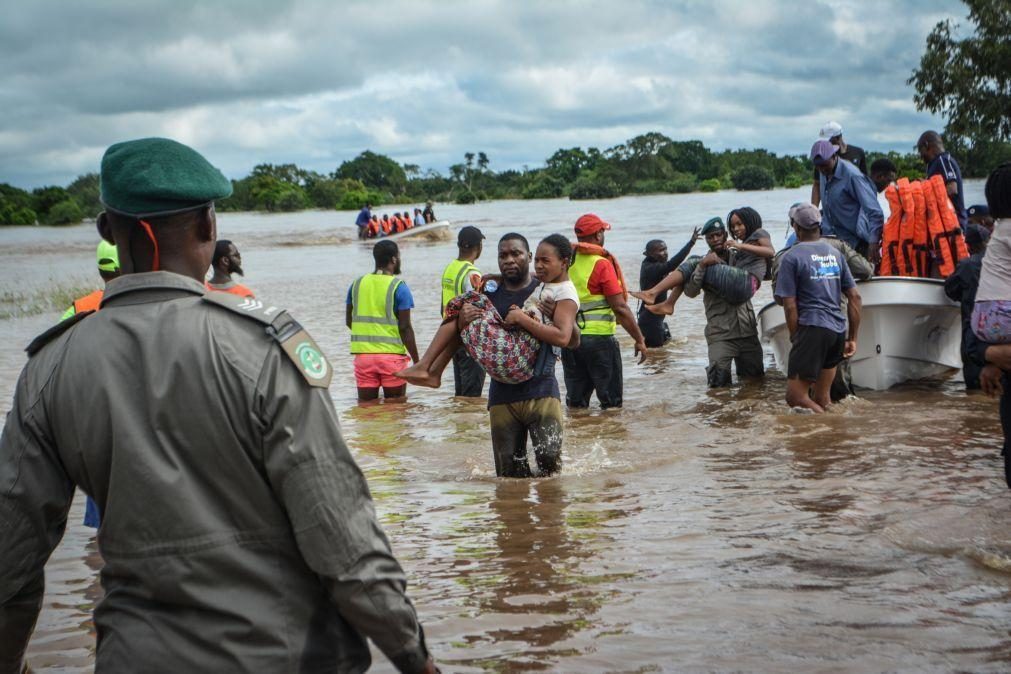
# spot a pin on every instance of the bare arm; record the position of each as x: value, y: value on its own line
x: 559, y: 333
x: 952, y: 188
x: 347, y: 315
x: 407, y: 333
x: 816, y: 192
x: 792, y: 317
x: 627, y: 320
x: 853, y: 315
x: 762, y: 249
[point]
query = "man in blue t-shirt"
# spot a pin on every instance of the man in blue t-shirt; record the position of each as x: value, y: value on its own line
x: 362, y: 221
x: 532, y: 408
x: 812, y: 278
x: 931, y: 149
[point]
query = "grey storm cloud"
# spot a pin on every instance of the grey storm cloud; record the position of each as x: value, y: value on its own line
x: 316, y: 82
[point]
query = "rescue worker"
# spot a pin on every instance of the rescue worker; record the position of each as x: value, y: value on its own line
x: 108, y: 269
x: 595, y: 365
x: 979, y: 215
x: 238, y: 533
x: 654, y: 267
x: 460, y: 276
x: 833, y: 133
x: 939, y: 162
x: 363, y: 220
x: 731, y: 329
x: 429, y: 212
x: 804, y: 215
x: 227, y: 261
x: 379, y: 317
x: 961, y: 287
x: 849, y: 202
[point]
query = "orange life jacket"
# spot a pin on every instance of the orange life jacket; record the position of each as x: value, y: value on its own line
x: 386, y: 225
x: 89, y: 302
x: 401, y: 225
x: 237, y: 289
x: 373, y: 229
x: 890, y: 234
x: 906, y: 255
x: 946, y: 238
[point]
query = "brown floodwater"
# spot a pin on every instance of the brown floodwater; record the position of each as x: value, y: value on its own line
x: 692, y: 530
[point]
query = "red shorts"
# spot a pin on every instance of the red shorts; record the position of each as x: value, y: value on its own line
x: 374, y: 370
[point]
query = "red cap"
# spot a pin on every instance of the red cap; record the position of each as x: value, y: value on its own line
x: 590, y: 224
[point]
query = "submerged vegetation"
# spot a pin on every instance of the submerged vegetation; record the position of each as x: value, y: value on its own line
x: 648, y: 164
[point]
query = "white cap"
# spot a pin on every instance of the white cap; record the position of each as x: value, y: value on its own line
x: 830, y: 130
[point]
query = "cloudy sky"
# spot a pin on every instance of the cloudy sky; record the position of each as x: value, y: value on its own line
x: 316, y: 82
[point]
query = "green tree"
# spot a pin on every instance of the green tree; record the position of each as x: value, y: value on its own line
x: 67, y: 212
x: 968, y: 80
x: 86, y: 192
x: 753, y: 178
x: 44, y: 198
x: 375, y: 170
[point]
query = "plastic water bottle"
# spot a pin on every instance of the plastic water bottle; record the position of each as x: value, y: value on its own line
x: 491, y: 286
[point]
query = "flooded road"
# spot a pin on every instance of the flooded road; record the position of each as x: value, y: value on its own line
x: 689, y: 531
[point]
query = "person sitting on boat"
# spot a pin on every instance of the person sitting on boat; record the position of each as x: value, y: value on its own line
x: 961, y: 287
x: 429, y: 212
x: 408, y: 222
x: 812, y: 278
x: 861, y: 269
x: 386, y: 225
x: 374, y: 228
x: 849, y: 202
x: 509, y: 347
x: 749, y: 253
x: 979, y: 215
x: 419, y: 219
x: 883, y: 173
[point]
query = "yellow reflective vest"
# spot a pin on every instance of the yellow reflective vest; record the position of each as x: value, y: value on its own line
x: 374, y: 326
x: 453, y: 276
x: 595, y: 315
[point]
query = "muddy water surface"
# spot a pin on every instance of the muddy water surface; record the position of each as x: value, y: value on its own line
x: 690, y: 531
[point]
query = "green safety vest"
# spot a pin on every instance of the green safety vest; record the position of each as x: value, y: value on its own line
x: 453, y: 276
x: 595, y: 314
x: 374, y: 326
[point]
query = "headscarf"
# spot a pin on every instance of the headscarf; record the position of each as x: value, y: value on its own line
x: 749, y: 216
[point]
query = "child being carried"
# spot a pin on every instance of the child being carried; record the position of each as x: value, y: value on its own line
x: 507, y: 348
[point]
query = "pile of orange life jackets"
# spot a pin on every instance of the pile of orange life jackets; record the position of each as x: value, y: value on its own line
x: 922, y: 230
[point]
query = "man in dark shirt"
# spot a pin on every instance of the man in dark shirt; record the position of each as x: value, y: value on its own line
x: 655, y: 266
x: 832, y: 132
x: 931, y: 149
x: 362, y: 221
x: 532, y: 408
x: 961, y: 287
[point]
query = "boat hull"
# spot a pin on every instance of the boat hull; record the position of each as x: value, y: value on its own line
x: 433, y: 231
x: 909, y: 330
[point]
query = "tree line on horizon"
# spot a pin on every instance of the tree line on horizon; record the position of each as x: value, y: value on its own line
x: 650, y: 163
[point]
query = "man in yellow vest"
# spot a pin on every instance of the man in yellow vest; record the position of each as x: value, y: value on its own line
x: 379, y: 315
x: 596, y: 364
x: 458, y: 277
x: 108, y: 269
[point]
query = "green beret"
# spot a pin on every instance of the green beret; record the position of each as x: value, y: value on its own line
x: 713, y: 225
x: 158, y: 176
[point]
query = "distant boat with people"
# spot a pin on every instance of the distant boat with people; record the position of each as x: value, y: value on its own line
x: 430, y: 231
x: 909, y: 330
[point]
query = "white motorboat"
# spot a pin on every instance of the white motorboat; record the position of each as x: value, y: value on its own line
x: 430, y: 231
x: 909, y: 330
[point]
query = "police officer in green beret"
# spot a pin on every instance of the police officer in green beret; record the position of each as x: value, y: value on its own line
x: 238, y: 533
x: 731, y: 328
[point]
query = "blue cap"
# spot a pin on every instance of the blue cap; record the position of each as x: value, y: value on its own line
x: 978, y: 211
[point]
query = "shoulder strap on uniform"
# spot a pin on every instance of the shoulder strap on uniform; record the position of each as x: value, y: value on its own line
x: 54, y: 332
x: 286, y: 331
